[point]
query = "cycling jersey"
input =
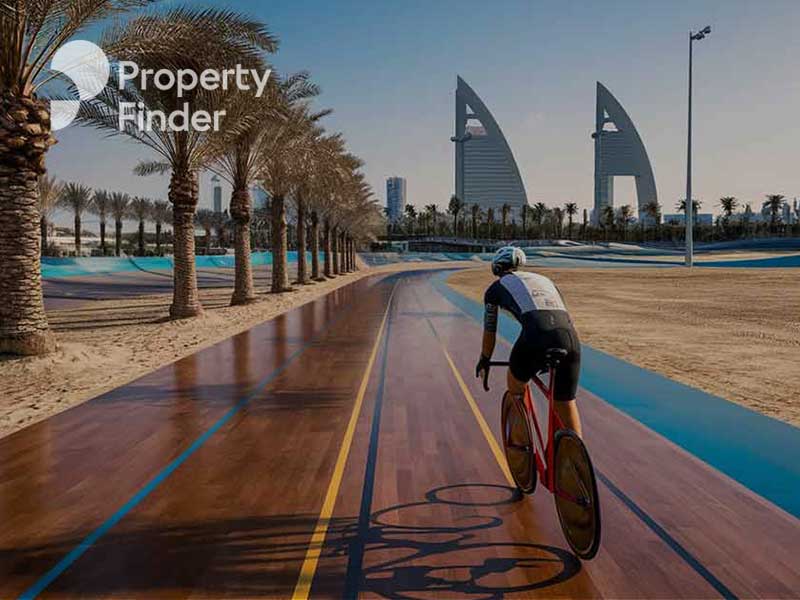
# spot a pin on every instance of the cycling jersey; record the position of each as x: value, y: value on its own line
x: 535, y: 302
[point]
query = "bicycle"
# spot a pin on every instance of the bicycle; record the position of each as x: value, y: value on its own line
x: 566, y: 470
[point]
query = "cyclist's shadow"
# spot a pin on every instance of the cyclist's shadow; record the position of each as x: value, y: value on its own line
x: 406, y: 550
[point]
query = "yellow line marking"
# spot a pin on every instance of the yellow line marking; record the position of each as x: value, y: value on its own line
x: 303, y: 586
x: 487, y: 432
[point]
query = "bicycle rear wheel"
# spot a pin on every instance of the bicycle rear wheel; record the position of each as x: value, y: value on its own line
x: 518, y: 444
x: 577, y: 503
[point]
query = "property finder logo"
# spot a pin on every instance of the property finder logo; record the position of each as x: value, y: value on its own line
x: 88, y: 67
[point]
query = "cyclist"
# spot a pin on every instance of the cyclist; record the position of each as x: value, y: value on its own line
x: 536, y: 303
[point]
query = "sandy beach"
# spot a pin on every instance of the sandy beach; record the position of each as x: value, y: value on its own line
x: 106, y: 343
x: 734, y: 333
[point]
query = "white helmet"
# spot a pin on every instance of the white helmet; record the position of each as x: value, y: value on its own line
x: 508, y: 258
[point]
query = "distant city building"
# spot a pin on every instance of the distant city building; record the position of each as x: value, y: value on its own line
x: 259, y: 196
x: 618, y: 151
x: 680, y: 219
x: 217, y: 194
x: 486, y: 172
x: 395, y: 198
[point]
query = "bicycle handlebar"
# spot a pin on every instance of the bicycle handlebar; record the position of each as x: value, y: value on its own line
x: 493, y: 363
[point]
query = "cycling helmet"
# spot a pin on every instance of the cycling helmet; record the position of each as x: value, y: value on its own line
x: 508, y: 258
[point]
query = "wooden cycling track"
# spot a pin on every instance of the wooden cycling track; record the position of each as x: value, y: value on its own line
x: 344, y: 449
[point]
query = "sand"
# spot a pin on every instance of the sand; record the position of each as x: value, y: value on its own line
x: 108, y: 343
x: 734, y: 333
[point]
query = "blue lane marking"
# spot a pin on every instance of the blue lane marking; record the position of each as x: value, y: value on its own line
x: 62, y: 565
x: 676, y: 546
x: 757, y: 451
x: 355, y: 553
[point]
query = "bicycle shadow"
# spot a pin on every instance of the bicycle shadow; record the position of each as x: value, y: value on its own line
x: 405, y: 551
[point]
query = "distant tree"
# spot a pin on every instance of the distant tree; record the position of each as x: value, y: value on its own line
x: 101, y: 206
x: 505, y: 210
x: 161, y: 213
x: 432, y: 214
x: 410, y: 217
x: 539, y: 212
x: 571, y: 209
x: 490, y: 222
x: 607, y: 220
x: 523, y: 213
x: 50, y: 190
x: 585, y: 225
x: 119, y: 203
x: 653, y: 210
x: 476, y: 215
x: 140, y: 210
x: 454, y: 208
x: 204, y: 218
x: 77, y: 198
x: 625, y: 218
x: 696, y: 205
x: 774, y: 205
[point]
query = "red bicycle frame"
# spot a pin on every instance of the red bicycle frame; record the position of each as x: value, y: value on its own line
x: 545, y: 468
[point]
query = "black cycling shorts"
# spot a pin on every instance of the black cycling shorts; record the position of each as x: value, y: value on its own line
x: 528, y: 357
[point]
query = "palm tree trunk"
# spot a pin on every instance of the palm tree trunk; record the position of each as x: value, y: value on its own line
x: 342, y: 252
x: 314, y: 246
x: 243, y: 273
x: 280, y: 274
x: 77, y: 234
x: 183, y: 195
x: 327, y: 247
x: 335, y: 249
x: 158, y: 238
x: 23, y: 323
x: 118, y: 237
x: 103, y: 237
x: 141, y: 238
x: 302, y: 269
x: 43, y: 235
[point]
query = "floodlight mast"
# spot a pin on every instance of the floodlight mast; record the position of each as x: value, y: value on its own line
x: 689, y: 212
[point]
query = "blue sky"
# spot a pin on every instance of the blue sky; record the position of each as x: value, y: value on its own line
x: 388, y: 70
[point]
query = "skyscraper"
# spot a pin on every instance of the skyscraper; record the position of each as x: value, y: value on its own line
x: 217, y: 194
x: 395, y: 198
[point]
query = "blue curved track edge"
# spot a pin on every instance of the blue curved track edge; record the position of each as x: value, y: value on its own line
x: 761, y: 453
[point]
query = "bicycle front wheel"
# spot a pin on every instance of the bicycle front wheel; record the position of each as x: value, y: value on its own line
x: 518, y: 444
x: 577, y: 503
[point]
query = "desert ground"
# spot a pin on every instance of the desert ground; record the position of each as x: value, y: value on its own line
x: 734, y: 333
x: 104, y: 344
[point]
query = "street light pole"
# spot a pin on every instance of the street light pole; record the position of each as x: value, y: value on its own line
x: 689, y: 212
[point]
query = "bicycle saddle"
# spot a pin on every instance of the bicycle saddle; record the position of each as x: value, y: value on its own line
x: 553, y: 356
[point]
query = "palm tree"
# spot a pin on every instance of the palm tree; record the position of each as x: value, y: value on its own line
x: 653, y: 210
x: 50, y: 190
x: 454, y: 208
x: 119, y: 204
x: 607, y: 220
x: 239, y: 163
x: 557, y: 215
x: 77, y: 198
x: 432, y: 212
x: 571, y: 209
x: 32, y: 31
x: 410, y: 217
x: 524, y: 212
x: 140, y: 210
x: 206, y: 219
x: 539, y: 212
x: 100, y: 206
x: 774, y: 204
x: 161, y: 213
x: 189, y: 39
x: 476, y: 215
x: 490, y: 222
x: 625, y: 218
x: 696, y: 204
x: 728, y: 204
x: 504, y: 212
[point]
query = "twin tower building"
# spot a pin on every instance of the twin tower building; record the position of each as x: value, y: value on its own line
x: 487, y: 174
